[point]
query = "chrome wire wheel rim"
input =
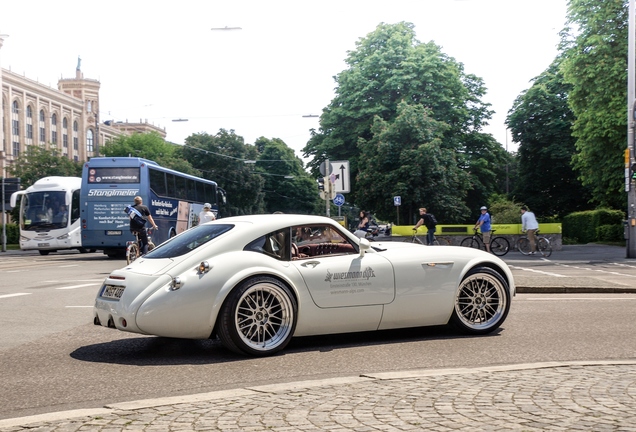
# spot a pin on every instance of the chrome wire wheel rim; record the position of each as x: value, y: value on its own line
x: 481, y: 301
x: 264, y: 317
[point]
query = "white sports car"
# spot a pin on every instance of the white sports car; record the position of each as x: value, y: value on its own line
x: 257, y: 281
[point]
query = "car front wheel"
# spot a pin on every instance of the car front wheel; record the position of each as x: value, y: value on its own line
x: 482, y: 302
x: 258, y: 317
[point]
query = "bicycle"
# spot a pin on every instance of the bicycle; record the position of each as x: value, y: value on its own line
x: 133, y: 248
x: 437, y: 241
x: 542, y: 243
x: 498, y: 245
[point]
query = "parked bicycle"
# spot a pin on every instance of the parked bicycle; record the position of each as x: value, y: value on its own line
x: 133, y: 248
x: 437, y: 241
x: 498, y: 245
x: 543, y: 245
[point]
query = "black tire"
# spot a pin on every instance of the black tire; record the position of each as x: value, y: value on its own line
x: 258, y: 318
x: 523, y: 245
x: 44, y: 252
x: 132, y: 252
x: 471, y: 243
x: 83, y: 250
x: 499, y: 246
x: 544, y: 246
x: 482, y: 302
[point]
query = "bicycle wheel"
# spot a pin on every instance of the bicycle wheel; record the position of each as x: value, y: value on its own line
x: 471, y: 242
x: 523, y: 245
x: 413, y: 239
x: 499, y: 246
x: 544, y: 246
x: 441, y: 241
x: 132, y: 252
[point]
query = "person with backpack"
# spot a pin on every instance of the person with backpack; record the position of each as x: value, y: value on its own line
x: 429, y: 221
x: 139, y: 215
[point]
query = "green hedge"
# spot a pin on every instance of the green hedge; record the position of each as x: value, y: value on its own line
x: 594, y: 225
x: 13, y: 234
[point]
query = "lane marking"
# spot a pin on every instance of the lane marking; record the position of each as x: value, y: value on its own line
x: 76, y: 280
x: 71, y: 265
x: 596, y: 270
x: 577, y: 298
x: 14, y: 295
x: 538, y: 271
x: 76, y: 286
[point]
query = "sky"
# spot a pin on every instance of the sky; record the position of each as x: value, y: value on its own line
x: 159, y: 60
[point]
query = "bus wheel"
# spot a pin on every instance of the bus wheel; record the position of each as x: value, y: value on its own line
x: 83, y: 250
x: 172, y: 232
x: 44, y: 252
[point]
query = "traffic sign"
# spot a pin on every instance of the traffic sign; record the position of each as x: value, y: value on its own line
x: 339, y: 200
x: 340, y: 171
x: 397, y: 201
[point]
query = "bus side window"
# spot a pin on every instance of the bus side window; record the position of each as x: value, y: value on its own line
x: 157, y: 181
x: 170, y: 186
x: 75, y: 206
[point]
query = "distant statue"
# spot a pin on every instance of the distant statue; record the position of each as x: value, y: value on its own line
x: 79, y: 62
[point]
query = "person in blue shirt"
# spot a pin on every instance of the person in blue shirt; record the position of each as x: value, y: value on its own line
x: 483, y: 223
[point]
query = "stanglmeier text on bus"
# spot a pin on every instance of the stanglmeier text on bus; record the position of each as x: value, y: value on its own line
x: 109, y: 184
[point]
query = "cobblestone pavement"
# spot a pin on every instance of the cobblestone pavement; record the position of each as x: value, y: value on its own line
x: 568, y: 396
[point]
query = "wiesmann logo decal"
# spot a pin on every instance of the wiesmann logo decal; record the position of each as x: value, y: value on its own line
x: 365, y: 274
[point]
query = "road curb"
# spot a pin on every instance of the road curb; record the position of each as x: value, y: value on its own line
x: 574, y: 290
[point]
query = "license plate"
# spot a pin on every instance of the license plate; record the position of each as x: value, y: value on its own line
x: 44, y: 244
x: 113, y: 291
x: 113, y: 233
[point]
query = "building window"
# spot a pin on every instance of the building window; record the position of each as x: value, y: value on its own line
x: 15, y: 121
x: 75, y: 138
x: 89, y: 141
x: 29, y: 125
x: 16, y: 148
x: 54, y: 129
x: 42, y: 128
x: 65, y: 133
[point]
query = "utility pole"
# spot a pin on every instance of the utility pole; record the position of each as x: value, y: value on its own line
x: 630, y: 184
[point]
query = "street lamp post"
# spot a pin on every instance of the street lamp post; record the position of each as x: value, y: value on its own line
x: 630, y: 185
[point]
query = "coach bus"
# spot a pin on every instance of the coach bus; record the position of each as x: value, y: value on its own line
x: 50, y: 215
x: 110, y: 183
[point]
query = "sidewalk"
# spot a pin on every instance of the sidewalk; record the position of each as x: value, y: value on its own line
x: 559, y: 396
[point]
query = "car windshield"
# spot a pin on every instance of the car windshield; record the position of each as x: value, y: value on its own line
x: 188, y: 241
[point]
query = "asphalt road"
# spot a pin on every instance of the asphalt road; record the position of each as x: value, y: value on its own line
x: 54, y: 359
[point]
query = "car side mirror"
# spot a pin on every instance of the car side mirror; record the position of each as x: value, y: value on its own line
x: 365, y: 245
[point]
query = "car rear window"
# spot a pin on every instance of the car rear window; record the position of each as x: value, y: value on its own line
x: 188, y: 240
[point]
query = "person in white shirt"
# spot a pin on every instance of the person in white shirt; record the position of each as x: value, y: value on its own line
x: 206, y: 215
x: 529, y: 225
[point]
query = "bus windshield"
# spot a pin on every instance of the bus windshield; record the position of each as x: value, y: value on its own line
x: 44, y: 210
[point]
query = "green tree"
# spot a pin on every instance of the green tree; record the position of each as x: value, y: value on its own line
x: 150, y: 146
x: 423, y: 170
x: 288, y: 187
x: 388, y: 67
x: 594, y: 47
x: 221, y: 158
x: 37, y: 162
x: 540, y: 121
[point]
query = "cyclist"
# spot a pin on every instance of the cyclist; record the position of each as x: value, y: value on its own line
x: 428, y: 220
x: 529, y: 225
x: 141, y: 231
x: 484, y: 224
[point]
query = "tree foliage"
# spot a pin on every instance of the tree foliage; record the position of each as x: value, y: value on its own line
x: 38, y: 162
x: 390, y: 67
x: 594, y: 49
x: 541, y: 121
x: 407, y: 157
x: 288, y: 187
x: 221, y: 158
x: 149, y: 146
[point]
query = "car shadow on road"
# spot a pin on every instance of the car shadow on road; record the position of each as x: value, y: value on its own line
x: 161, y: 351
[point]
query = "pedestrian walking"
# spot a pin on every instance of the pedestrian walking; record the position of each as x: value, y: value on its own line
x: 483, y: 223
x: 429, y: 221
x: 529, y: 225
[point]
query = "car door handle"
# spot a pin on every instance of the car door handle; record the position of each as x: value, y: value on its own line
x: 313, y: 264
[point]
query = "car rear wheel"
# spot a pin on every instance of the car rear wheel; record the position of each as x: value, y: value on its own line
x: 482, y: 302
x: 258, y: 317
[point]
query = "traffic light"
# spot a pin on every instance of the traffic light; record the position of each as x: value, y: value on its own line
x: 632, y: 174
x: 321, y: 184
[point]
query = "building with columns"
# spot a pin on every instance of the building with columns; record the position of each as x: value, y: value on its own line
x: 66, y: 118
